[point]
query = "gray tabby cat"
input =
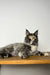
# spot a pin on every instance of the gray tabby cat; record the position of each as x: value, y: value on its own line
x: 23, y: 50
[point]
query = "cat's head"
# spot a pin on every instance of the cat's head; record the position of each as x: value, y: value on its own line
x: 31, y: 38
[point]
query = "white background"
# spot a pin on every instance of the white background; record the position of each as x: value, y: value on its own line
x: 15, y: 17
x: 18, y: 15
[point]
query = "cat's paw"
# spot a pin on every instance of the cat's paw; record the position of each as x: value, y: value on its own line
x: 46, y: 54
x: 23, y: 55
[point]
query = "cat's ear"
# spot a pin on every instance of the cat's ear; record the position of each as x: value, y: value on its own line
x: 27, y: 32
x: 36, y: 33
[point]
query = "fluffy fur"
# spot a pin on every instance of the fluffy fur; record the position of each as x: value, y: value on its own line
x: 23, y: 50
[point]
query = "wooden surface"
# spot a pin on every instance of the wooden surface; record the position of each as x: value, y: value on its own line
x: 30, y: 60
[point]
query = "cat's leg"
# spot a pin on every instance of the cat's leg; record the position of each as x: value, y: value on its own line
x: 23, y: 54
x: 38, y: 53
x: 42, y: 53
x: 5, y: 55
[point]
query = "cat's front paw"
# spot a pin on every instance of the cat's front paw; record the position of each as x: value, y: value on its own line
x: 23, y: 55
x: 46, y: 54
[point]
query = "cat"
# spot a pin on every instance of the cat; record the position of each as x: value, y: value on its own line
x: 32, y: 40
x: 23, y: 50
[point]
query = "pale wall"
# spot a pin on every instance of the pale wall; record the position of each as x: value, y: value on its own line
x: 18, y: 15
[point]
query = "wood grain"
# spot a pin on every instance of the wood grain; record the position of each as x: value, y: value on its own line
x: 30, y: 60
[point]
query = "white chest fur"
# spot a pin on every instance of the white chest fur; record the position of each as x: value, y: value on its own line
x: 33, y: 48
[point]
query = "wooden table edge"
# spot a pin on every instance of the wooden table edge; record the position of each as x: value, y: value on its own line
x: 2, y: 62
